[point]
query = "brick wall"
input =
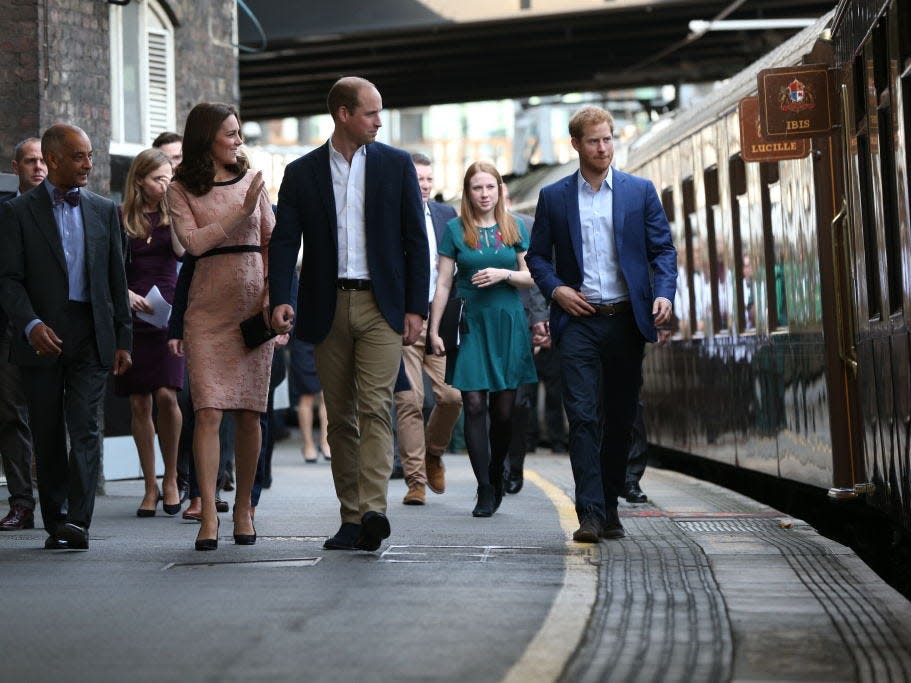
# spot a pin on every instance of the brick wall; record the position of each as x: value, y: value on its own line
x: 57, y: 68
x: 19, y: 76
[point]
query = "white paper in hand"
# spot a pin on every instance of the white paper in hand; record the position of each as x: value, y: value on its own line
x: 161, y: 309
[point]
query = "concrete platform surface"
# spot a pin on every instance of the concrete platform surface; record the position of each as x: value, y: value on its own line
x: 707, y: 586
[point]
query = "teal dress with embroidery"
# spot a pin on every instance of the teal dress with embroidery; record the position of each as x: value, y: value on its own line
x: 496, y: 350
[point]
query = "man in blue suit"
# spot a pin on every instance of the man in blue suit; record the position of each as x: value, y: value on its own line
x: 601, y: 251
x: 356, y: 205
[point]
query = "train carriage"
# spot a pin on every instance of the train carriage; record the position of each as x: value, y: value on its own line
x: 790, y: 353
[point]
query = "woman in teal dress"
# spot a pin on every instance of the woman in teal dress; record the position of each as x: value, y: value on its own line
x: 488, y: 245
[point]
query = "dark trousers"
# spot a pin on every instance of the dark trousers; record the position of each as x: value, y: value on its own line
x: 515, y: 462
x: 15, y: 435
x: 65, y: 398
x: 638, y: 448
x: 602, y: 374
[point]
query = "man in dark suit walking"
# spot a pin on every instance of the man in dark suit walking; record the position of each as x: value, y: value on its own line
x: 63, y: 286
x: 421, y: 449
x: 356, y: 205
x: 15, y: 435
x: 602, y: 252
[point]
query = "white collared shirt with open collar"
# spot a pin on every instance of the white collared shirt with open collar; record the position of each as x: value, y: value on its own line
x: 349, y: 183
x: 602, y: 279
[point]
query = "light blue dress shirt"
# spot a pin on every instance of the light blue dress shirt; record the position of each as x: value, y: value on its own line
x: 72, y: 238
x: 602, y: 279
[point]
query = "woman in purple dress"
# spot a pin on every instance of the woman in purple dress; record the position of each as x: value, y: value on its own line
x: 151, y: 256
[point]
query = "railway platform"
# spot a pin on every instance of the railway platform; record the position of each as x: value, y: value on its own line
x: 708, y: 585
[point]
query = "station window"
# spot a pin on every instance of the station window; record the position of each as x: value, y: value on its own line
x: 744, y: 291
x: 142, y: 75
x: 773, y: 245
x: 691, y: 225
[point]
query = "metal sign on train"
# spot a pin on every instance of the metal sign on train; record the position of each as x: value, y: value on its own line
x: 795, y: 102
x: 755, y: 147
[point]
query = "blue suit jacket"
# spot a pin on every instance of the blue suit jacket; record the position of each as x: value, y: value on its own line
x: 642, y: 236
x: 396, y: 239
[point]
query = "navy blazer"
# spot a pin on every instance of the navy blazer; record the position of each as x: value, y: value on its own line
x: 396, y: 239
x: 642, y: 237
x: 33, y: 272
x: 440, y: 215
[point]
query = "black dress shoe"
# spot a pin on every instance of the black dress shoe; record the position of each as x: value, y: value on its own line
x: 19, y: 517
x: 75, y: 535
x: 344, y: 538
x: 513, y: 483
x: 221, y: 505
x: 55, y: 543
x: 374, y: 528
x: 246, y: 539
x: 486, y: 499
x: 634, y: 494
x: 612, y: 528
x: 170, y: 509
x: 589, y: 531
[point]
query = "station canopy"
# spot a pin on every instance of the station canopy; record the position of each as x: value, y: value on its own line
x: 428, y: 52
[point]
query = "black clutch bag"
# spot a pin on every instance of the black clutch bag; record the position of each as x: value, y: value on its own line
x: 256, y: 331
x: 452, y: 324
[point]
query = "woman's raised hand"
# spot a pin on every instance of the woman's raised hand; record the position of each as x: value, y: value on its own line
x: 251, y: 199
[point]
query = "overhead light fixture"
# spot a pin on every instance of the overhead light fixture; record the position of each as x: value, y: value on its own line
x: 700, y: 27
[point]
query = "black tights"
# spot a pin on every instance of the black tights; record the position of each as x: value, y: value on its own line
x: 487, y: 449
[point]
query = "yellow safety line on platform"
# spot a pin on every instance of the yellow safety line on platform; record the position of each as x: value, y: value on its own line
x: 547, y: 654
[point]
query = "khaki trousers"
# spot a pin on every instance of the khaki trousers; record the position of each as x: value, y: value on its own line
x: 357, y: 365
x: 414, y: 440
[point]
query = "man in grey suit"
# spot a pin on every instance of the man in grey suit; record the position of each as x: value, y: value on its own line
x: 63, y: 285
x: 420, y: 449
x: 15, y: 436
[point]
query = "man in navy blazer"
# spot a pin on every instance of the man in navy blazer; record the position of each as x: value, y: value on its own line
x: 421, y: 450
x: 63, y: 285
x: 602, y: 252
x: 356, y: 205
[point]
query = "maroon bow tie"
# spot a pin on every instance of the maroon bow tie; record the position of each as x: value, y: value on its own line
x: 71, y: 198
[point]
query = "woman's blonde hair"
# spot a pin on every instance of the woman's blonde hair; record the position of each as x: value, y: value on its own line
x: 509, y: 231
x: 135, y: 223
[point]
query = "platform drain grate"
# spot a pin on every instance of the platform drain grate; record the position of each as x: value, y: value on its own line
x: 253, y: 564
x: 454, y: 553
x: 729, y: 526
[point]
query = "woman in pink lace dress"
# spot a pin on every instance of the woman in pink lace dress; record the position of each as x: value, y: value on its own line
x: 223, y: 217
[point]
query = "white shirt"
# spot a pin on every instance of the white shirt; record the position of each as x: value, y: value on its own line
x: 349, y: 186
x: 602, y: 279
x: 434, y: 257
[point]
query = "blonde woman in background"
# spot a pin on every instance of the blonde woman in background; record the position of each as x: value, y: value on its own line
x: 150, y: 255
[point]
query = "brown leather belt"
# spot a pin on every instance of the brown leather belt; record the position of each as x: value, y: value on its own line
x: 607, y: 310
x: 347, y: 285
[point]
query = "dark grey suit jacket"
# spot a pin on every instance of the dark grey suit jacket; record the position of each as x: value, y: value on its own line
x: 33, y: 272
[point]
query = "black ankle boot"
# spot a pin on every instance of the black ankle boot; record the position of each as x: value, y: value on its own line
x: 485, y: 506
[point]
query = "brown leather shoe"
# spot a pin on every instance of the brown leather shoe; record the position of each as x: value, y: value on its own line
x: 436, y: 473
x: 19, y: 517
x: 415, y: 495
x: 589, y: 530
x: 194, y: 509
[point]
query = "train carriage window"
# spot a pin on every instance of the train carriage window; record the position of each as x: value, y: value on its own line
x: 682, y: 294
x: 691, y: 225
x: 744, y: 291
x: 885, y: 44
x: 868, y: 189
x: 773, y: 242
x: 719, y: 266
